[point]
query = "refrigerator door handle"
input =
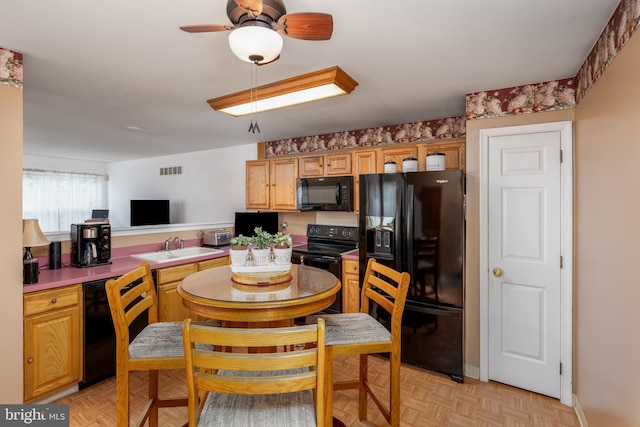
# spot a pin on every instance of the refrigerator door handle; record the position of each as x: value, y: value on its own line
x: 453, y: 312
x: 410, y: 228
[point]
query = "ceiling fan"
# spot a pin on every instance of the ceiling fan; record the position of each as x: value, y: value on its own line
x: 270, y: 20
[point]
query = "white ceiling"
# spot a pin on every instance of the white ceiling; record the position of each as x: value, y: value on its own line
x: 93, y: 68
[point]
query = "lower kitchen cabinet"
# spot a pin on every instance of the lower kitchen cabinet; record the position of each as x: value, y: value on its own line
x: 170, y: 307
x: 52, y: 340
x: 211, y: 263
x: 350, y: 286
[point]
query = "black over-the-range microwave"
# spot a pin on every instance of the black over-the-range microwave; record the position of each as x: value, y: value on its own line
x: 327, y: 193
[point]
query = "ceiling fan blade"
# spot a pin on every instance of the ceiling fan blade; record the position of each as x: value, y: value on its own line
x: 306, y: 26
x: 253, y: 7
x: 204, y: 28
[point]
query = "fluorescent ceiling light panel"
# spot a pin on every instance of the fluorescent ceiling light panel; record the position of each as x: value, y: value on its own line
x: 285, y: 93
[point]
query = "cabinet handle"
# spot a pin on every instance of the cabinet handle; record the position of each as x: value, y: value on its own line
x: 30, y: 360
x: 54, y: 300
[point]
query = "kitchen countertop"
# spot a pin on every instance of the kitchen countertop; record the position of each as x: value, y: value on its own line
x: 120, y: 264
x: 353, y: 254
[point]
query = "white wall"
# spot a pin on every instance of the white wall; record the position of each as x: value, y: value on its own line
x: 210, y: 189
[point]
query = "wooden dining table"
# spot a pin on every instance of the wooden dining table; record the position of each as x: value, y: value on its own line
x: 214, y: 294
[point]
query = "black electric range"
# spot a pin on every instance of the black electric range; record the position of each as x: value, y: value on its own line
x: 324, y: 248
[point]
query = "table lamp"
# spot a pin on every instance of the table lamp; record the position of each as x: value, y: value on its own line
x: 31, y: 236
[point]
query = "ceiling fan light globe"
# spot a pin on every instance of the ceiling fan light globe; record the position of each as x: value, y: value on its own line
x: 246, y: 42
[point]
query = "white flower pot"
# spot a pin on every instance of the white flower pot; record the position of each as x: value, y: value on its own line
x: 261, y: 256
x: 282, y: 255
x: 238, y: 256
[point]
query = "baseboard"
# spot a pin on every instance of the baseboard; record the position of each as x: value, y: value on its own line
x: 57, y: 395
x: 576, y: 407
x: 472, y: 372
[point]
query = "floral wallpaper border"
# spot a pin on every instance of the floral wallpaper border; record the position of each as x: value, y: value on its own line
x: 623, y: 23
x: 432, y: 130
x: 11, y: 69
x: 531, y: 98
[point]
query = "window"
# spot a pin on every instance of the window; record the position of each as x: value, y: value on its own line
x: 59, y: 199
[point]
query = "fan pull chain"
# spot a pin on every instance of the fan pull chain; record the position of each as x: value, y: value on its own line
x: 254, y: 127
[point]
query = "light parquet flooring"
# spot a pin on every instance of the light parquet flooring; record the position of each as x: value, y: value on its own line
x: 428, y: 400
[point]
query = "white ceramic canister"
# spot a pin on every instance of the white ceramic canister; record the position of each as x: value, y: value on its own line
x: 390, y: 167
x: 435, y: 161
x: 410, y: 164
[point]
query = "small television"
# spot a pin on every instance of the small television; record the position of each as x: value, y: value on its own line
x: 149, y: 212
x: 247, y: 221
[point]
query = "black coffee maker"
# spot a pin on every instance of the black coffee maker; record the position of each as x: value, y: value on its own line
x: 90, y: 244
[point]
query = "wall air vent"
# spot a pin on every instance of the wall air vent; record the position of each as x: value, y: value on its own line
x: 174, y: 170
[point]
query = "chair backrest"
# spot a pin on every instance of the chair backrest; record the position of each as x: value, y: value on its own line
x: 282, y: 360
x: 129, y: 296
x: 387, y: 288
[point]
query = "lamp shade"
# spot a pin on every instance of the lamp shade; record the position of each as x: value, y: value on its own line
x: 32, y: 235
x: 249, y: 41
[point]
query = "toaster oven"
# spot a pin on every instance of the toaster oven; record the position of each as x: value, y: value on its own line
x: 216, y: 238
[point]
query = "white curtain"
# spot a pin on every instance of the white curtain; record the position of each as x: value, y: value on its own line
x: 59, y: 199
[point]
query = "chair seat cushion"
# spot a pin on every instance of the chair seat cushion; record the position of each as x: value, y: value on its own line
x: 352, y: 328
x: 161, y: 339
x: 295, y: 409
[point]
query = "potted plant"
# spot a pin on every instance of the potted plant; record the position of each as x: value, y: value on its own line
x: 282, y: 248
x: 239, y: 249
x: 262, y: 241
x: 240, y: 242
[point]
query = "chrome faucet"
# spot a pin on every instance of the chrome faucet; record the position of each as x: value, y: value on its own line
x: 171, y: 241
x: 167, y: 244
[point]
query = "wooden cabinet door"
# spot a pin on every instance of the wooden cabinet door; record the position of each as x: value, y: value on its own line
x: 257, y: 184
x: 51, y: 351
x: 454, y: 154
x: 283, y: 184
x: 396, y: 154
x: 350, y: 286
x: 170, y: 306
x: 311, y: 166
x: 338, y: 164
x: 211, y: 263
x: 364, y: 162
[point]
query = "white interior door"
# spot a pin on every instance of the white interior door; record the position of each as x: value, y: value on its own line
x: 524, y: 260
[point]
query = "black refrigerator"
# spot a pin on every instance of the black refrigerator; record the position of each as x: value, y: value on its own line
x: 415, y: 222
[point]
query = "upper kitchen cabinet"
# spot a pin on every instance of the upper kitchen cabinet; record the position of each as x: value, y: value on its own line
x: 454, y: 152
x: 271, y: 184
x: 257, y: 184
x: 363, y: 162
x: 334, y: 164
x: 395, y: 154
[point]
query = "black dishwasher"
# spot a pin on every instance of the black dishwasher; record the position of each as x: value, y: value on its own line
x: 99, y: 348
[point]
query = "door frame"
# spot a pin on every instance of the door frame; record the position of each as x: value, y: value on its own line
x: 566, y: 247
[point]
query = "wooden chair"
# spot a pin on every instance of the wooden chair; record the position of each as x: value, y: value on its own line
x: 237, y: 388
x: 158, y: 346
x: 360, y: 333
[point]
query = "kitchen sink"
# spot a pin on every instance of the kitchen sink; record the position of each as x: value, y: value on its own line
x: 176, y: 254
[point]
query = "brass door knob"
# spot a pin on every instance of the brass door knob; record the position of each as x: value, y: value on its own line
x: 497, y: 272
